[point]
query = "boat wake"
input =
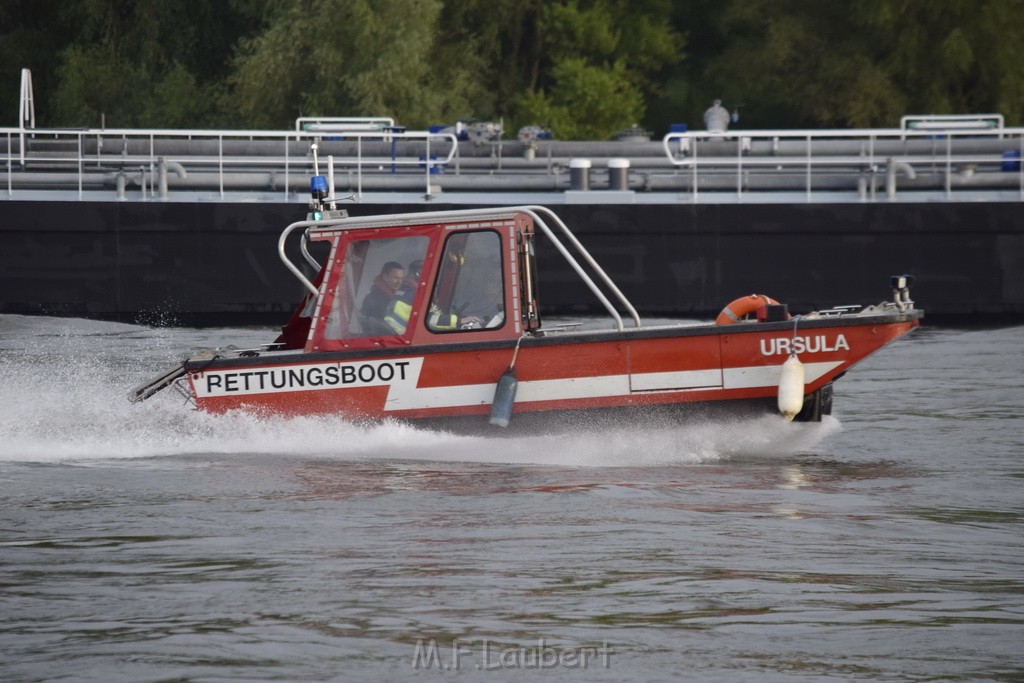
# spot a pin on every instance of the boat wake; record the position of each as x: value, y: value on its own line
x: 65, y: 395
x: 99, y: 424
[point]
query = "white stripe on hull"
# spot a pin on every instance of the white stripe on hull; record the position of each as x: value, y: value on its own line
x: 768, y: 375
x: 402, y: 377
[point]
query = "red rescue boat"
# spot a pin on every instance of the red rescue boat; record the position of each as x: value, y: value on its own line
x: 433, y: 317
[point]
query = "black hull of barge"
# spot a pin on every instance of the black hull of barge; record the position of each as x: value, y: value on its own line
x: 203, y: 263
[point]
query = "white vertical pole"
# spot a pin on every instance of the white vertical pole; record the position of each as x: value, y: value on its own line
x: 26, y: 109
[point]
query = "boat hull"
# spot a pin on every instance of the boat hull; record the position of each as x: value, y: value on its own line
x: 645, y: 371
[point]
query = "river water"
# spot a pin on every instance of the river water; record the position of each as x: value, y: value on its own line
x: 151, y: 542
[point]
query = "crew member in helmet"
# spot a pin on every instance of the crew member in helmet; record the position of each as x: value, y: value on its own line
x: 400, y: 307
x: 375, y: 304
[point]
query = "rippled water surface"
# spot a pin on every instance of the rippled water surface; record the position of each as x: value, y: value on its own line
x: 151, y: 542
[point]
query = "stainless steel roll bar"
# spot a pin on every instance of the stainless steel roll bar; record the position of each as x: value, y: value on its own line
x: 533, y: 211
x: 288, y: 263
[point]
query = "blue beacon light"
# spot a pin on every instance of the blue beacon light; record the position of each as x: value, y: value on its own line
x: 318, y: 191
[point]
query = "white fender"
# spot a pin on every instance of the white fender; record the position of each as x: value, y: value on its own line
x: 791, y: 387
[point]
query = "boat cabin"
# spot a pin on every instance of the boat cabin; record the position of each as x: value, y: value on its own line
x: 408, y: 281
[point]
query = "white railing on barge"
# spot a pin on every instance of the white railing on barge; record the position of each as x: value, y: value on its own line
x: 295, y: 167
x: 956, y: 147
x: 794, y: 165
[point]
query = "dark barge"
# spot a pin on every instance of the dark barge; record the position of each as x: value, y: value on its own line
x: 174, y: 226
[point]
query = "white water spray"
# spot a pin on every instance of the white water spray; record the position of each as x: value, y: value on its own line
x: 64, y: 384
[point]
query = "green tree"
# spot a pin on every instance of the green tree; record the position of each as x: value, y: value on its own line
x: 586, y: 102
x: 955, y: 56
x: 355, y: 58
x: 600, y: 58
x: 497, y: 45
x: 31, y: 36
x: 868, y: 62
x: 585, y: 67
x: 795, y: 64
x: 130, y: 63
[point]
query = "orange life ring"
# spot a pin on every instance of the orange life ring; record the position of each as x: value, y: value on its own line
x: 741, y: 307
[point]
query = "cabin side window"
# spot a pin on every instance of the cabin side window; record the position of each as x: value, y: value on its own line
x: 469, y: 292
x: 376, y: 288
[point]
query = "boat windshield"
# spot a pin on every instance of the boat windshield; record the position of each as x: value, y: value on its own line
x: 469, y: 292
x: 376, y: 287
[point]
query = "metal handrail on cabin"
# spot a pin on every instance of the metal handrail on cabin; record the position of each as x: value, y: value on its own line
x: 532, y: 210
x: 681, y: 149
x: 288, y: 262
x: 77, y: 136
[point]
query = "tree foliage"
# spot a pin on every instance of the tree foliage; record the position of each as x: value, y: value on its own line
x: 321, y: 57
x: 600, y: 60
x: 584, y: 67
x: 954, y: 56
x: 868, y: 62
